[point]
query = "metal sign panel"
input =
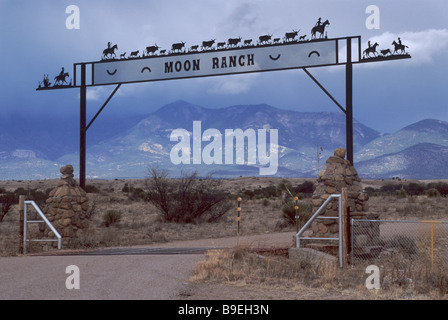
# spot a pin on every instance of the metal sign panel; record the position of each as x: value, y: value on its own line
x: 216, y: 62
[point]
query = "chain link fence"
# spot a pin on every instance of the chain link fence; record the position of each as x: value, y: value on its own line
x: 402, y: 244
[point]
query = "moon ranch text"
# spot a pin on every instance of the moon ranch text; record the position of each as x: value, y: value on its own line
x: 217, y: 63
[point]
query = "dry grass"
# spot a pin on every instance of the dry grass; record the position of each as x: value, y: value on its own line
x: 141, y: 224
x: 239, y: 267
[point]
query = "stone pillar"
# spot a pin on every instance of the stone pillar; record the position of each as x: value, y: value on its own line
x: 66, y: 208
x: 337, y: 174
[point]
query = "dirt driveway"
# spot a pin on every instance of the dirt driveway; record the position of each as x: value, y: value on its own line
x: 109, y: 277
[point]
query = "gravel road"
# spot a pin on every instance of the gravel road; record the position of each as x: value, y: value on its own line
x: 110, y: 277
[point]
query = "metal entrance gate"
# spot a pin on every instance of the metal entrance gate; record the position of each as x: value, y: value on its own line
x: 227, y: 58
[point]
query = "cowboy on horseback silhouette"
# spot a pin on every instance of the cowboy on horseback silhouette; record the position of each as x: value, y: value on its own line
x: 399, y: 46
x: 110, y: 51
x: 370, y: 49
x: 61, y: 74
x: 319, y: 28
x: 60, y: 78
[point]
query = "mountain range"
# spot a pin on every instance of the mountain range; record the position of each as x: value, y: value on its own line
x: 125, y: 146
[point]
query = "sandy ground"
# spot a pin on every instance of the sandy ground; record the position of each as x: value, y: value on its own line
x: 125, y: 277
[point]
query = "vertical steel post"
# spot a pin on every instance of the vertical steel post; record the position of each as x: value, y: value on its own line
x: 432, y: 244
x: 82, y: 130
x: 25, y: 218
x: 349, y: 102
x: 22, y: 219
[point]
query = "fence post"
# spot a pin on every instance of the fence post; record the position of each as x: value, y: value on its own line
x: 345, y: 227
x: 296, y: 209
x: 21, y: 217
x: 238, y: 221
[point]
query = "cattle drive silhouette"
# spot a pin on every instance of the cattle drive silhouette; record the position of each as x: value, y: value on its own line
x: 399, y: 49
x: 317, y: 33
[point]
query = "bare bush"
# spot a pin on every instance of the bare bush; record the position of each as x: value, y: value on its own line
x: 6, y: 201
x: 187, y: 199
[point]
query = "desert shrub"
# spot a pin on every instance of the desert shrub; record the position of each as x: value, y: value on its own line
x: 284, y: 186
x: 249, y: 194
x: 39, y: 197
x: 414, y: 189
x: 111, y: 217
x: 304, y: 211
x: 92, y: 189
x: 389, y: 188
x: 306, y: 187
x: 432, y: 193
x: 187, y: 199
x: 127, y: 189
x: 266, y: 192
x: 403, y: 243
x: 372, y: 192
x: 400, y: 193
x: 136, y: 194
x: 6, y: 201
x: 442, y: 187
x: 265, y: 202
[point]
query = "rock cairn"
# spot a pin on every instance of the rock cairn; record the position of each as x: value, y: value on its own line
x: 66, y: 208
x: 338, y: 174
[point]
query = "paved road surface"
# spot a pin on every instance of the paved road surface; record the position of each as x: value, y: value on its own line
x: 146, y: 272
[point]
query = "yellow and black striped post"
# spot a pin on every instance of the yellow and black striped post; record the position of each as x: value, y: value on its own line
x: 432, y: 239
x: 296, y: 208
x: 238, y: 220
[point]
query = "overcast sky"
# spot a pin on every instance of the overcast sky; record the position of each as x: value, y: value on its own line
x: 387, y: 96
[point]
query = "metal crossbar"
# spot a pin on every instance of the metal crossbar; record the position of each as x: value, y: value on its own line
x: 316, y: 216
x: 44, y: 219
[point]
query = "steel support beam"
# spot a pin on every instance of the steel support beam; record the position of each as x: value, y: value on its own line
x: 82, y: 129
x: 349, y: 102
x: 104, y: 105
x: 324, y: 90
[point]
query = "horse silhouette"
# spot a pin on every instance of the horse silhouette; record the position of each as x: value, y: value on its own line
x: 370, y: 50
x: 319, y: 29
x: 60, y: 79
x: 400, y: 47
x: 110, y: 51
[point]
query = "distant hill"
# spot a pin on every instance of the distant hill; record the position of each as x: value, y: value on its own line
x: 125, y: 146
x: 421, y: 161
x: 147, y: 143
x: 425, y: 131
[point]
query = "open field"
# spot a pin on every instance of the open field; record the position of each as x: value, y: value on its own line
x: 141, y: 224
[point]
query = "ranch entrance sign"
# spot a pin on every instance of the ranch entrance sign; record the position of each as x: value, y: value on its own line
x: 235, y: 56
x: 214, y: 63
